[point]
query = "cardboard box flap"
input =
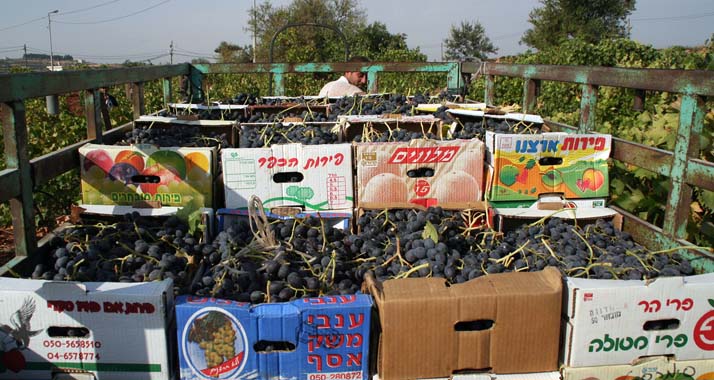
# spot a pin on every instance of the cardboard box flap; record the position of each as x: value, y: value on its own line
x: 136, y: 289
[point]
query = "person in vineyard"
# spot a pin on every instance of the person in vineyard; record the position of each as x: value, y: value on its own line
x: 348, y: 84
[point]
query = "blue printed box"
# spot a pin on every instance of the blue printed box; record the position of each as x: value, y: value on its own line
x: 325, y: 338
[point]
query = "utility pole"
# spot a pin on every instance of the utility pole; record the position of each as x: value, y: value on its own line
x: 24, y: 48
x: 255, y: 26
x: 442, y: 52
x: 49, y: 25
x: 171, y: 52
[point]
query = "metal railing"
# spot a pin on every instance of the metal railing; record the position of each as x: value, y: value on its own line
x: 684, y: 170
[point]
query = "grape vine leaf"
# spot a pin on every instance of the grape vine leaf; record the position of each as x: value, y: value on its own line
x: 707, y: 198
x: 192, y: 215
x: 430, y: 232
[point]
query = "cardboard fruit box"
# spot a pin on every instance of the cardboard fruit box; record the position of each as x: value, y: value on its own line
x: 312, y: 177
x: 311, y: 338
x: 365, y: 128
x: 615, y: 322
x: 521, y: 167
x: 106, y: 330
x: 502, y: 323
x: 139, y: 174
x: 420, y: 173
x: 207, y: 127
x: 652, y: 368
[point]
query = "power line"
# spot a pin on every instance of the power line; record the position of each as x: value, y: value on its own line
x: 115, y: 18
x: 24, y: 23
x: 189, y: 51
x: 675, y: 18
x: 86, y: 9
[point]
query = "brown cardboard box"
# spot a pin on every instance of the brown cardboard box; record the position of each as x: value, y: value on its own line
x: 513, y: 323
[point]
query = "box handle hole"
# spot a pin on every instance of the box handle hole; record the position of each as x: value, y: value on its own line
x: 550, y: 161
x: 288, y: 177
x: 661, y: 324
x: 420, y: 173
x: 477, y: 325
x: 268, y: 346
x: 63, y: 332
x: 145, y: 179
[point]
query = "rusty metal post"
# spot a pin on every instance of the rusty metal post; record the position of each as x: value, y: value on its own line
x: 531, y: 90
x: 638, y: 102
x: 691, y: 122
x: 587, y: 108
x: 490, y: 87
x: 92, y: 112
x: 137, y: 99
x: 21, y: 206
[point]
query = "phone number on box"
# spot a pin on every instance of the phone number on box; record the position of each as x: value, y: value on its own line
x: 71, y: 344
x: 355, y: 375
x: 72, y: 356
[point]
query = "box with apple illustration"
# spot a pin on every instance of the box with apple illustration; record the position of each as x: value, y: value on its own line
x: 521, y: 167
x: 131, y: 175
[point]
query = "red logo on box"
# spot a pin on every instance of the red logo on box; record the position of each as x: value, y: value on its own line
x: 588, y: 297
x: 407, y: 155
x: 704, y: 331
x: 422, y: 187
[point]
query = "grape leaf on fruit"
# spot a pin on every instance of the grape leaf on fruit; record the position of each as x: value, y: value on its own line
x: 706, y: 198
x: 531, y: 163
x: 191, y: 214
x: 430, y: 232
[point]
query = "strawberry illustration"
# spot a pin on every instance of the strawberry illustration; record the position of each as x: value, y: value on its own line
x: 13, y: 360
x: 522, y: 177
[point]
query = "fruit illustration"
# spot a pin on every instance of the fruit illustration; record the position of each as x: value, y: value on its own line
x: 196, y: 161
x: 165, y: 177
x: 552, y: 178
x: 592, y: 180
x: 133, y: 158
x: 123, y: 172
x: 522, y: 177
x: 98, y: 158
x: 170, y: 160
x: 459, y: 186
x: 385, y: 187
x: 706, y: 376
x: 509, y: 174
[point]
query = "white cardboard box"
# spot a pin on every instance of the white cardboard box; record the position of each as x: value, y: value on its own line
x: 110, y: 330
x: 655, y: 368
x: 319, y: 177
x: 615, y: 322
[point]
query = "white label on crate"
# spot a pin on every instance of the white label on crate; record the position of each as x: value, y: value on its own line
x: 240, y: 173
x: 352, y: 375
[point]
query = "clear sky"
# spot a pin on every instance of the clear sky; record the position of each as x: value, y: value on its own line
x: 117, y: 30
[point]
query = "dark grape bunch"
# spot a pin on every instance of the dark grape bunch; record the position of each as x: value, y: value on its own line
x: 364, y: 105
x: 175, y: 136
x: 371, y: 134
x: 477, y: 129
x: 305, y: 116
x: 300, y: 100
x: 442, y: 97
x: 283, y: 133
x: 136, y: 249
x: 309, y: 260
x: 462, y: 251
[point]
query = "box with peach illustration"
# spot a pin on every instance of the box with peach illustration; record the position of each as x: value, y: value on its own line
x: 521, y: 167
x: 420, y: 172
x: 136, y: 174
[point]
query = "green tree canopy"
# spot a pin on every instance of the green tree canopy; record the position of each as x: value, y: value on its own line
x: 591, y: 21
x: 468, y: 40
x: 231, y: 53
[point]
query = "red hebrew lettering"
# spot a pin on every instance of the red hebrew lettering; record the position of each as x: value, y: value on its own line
x: 282, y: 162
x: 60, y: 306
x: 600, y: 143
x: 657, y: 305
x: 569, y: 143
x: 354, y: 359
x: 194, y: 299
x: 406, y: 155
x: 334, y: 341
x: 348, y: 299
x: 334, y: 360
x: 261, y: 161
x: 354, y: 340
x: 687, y: 304
x: 292, y: 162
x: 325, y: 322
x: 449, y: 154
x: 356, y: 320
x: 88, y: 306
x: 271, y: 162
x: 314, y: 342
x: 310, y: 163
x: 339, y: 158
x: 340, y: 321
x: 324, y: 160
x: 676, y: 302
x: 317, y: 360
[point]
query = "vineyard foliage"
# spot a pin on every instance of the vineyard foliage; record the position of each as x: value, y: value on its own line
x: 636, y: 190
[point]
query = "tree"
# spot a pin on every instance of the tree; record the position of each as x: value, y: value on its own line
x: 469, y: 40
x: 231, y: 53
x: 375, y: 41
x: 591, y: 21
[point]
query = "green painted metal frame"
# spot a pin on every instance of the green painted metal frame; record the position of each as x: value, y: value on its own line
x: 682, y: 166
